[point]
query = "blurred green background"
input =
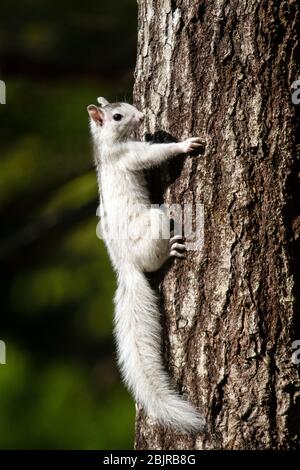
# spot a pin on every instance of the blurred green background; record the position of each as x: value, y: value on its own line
x: 60, y: 388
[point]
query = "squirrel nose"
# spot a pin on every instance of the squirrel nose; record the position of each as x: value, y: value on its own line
x: 141, y: 117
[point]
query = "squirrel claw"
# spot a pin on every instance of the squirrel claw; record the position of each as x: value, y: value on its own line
x: 176, y: 254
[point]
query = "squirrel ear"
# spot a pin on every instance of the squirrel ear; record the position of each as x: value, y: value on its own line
x: 95, y: 113
x: 102, y: 101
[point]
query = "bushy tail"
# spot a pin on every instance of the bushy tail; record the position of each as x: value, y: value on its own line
x: 138, y: 333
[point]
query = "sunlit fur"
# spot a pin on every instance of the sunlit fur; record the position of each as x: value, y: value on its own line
x: 120, y: 161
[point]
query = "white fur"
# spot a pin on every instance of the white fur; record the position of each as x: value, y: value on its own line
x: 119, y: 162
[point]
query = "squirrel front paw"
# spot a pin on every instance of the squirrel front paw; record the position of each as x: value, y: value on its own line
x: 191, y: 144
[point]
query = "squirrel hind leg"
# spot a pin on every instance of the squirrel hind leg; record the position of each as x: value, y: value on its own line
x: 155, y: 254
x: 177, y: 250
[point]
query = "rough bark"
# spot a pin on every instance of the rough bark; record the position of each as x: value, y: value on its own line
x: 223, y: 70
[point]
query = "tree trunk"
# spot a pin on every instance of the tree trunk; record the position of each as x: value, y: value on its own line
x: 223, y: 70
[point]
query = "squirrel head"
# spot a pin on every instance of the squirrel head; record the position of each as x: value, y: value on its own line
x: 113, y: 121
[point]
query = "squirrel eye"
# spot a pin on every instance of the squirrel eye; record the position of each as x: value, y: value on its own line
x: 117, y: 117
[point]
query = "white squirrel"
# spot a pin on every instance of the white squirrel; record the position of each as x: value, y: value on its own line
x: 125, y: 206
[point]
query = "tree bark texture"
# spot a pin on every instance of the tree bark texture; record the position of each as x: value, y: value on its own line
x: 223, y: 70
